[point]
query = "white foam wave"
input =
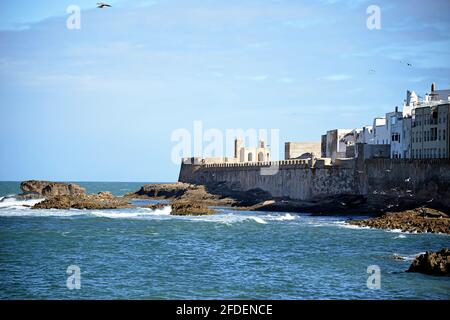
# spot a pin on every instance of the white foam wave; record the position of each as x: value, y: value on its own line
x: 408, y: 257
x: 11, y: 202
x: 400, y: 236
x: 286, y: 217
x: 141, y: 213
x: 259, y: 220
x: 27, y: 212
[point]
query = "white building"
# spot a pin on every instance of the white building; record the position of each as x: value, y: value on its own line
x: 247, y: 154
x: 333, y: 145
x: 394, y: 127
x: 380, y: 131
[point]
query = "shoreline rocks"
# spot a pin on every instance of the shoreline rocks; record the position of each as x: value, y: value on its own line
x: 180, y: 191
x: 190, y: 208
x: 417, y: 220
x: 432, y: 263
x: 50, y: 189
x: 102, y: 200
x: 60, y: 195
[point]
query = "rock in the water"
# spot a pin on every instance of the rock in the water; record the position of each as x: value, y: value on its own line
x: 181, y: 191
x: 186, y: 208
x: 156, y: 206
x: 417, y: 220
x: 433, y: 263
x: 50, y: 189
x: 96, y: 201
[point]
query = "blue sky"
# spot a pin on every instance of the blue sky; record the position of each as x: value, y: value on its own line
x: 100, y: 103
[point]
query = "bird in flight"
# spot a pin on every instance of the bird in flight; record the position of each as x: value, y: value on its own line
x: 102, y: 5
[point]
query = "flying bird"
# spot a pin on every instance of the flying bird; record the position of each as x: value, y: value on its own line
x: 102, y: 5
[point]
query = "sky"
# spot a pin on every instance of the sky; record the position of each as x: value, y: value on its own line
x: 100, y: 103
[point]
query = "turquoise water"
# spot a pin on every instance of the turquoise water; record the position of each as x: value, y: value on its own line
x: 145, y: 254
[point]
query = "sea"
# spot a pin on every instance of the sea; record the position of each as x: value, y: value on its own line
x: 148, y: 254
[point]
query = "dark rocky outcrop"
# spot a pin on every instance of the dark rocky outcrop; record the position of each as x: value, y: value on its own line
x: 50, y: 189
x: 183, y: 191
x: 344, y: 204
x: 156, y: 206
x: 190, y: 208
x: 416, y: 220
x: 102, y: 200
x: 432, y: 263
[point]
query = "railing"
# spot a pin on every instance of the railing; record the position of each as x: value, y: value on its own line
x: 304, y: 162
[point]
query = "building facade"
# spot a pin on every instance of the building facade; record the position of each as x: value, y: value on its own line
x: 246, y: 154
x: 430, y: 131
x: 295, y: 150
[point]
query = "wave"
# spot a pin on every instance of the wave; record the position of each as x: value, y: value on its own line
x: 12, y: 202
x: 139, y: 213
x: 407, y: 257
x: 230, y: 218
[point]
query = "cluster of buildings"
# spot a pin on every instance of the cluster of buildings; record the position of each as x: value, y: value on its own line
x: 419, y: 131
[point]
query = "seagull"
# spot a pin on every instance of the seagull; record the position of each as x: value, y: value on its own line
x: 371, y: 71
x: 430, y: 201
x: 102, y: 5
x: 388, y: 170
x: 408, y: 180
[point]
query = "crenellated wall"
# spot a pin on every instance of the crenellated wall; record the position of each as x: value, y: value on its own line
x: 294, y: 179
x: 303, y: 180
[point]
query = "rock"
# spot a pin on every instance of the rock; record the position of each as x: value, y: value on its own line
x: 161, y: 191
x: 432, y: 263
x: 50, y: 189
x: 398, y: 258
x: 28, y: 196
x: 416, y: 220
x: 103, y: 200
x: 156, y: 206
x: 185, y: 208
x: 105, y: 195
x: 184, y: 191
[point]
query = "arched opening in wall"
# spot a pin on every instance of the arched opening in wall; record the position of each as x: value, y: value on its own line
x: 261, y: 156
x: 268, y: 157
x: 250, y: 157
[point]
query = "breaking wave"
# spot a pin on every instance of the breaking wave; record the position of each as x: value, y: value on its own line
x: 13, y: 203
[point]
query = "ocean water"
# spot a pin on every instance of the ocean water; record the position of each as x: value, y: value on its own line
x: 149, y: 254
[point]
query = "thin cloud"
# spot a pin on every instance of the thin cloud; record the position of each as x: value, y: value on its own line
x: 337, y: 77
x: 262, y: 77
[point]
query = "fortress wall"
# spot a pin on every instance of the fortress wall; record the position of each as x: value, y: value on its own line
x: 428, y: 178
x: 292, y: 181
x: 422, y: 179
